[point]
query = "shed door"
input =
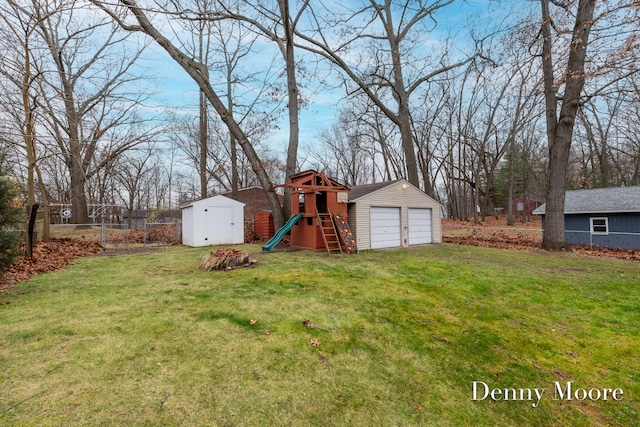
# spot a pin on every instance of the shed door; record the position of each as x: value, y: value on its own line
x: 385, y: 227
x: 419, y: 226
x: 219, y: 225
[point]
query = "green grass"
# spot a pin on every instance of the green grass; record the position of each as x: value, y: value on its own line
x: 149, y: 339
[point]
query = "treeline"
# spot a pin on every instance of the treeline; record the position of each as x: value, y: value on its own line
x: 464, y: 117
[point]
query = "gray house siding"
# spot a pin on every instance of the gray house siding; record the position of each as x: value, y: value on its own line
x: 577, y: 229
x: 617, y: 211
x: 623, y: 230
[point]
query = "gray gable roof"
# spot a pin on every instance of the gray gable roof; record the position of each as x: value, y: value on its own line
x: 362, y: 190
x: 600, y: 200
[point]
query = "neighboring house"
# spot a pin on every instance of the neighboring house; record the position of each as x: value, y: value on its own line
x: 605, y: 217
x: 393, y: 214
x: 254, y: 199
x: 216, y: 220
x: 134, y: 218
x: 524, y: 206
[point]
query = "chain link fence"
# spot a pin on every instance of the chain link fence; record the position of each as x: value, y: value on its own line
x: 608, y: 240
x: 120, y: 235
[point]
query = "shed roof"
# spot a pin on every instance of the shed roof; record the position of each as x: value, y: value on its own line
x: 254, y: 198
x: 218, y: 198
x: 599, y: 200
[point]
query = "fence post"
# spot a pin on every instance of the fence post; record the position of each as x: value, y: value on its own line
x: 103, y: 234
x: 144, y: 227
x: 178, y: 227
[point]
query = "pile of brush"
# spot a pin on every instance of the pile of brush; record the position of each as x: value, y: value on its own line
x: 225, y: 259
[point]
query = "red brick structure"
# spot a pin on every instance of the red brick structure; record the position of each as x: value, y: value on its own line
x: 254, y: 199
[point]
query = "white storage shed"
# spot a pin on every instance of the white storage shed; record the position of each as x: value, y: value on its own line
x: 216, y: 220
x: 393, y: 214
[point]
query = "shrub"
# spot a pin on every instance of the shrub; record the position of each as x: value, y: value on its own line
x: 10, y: 215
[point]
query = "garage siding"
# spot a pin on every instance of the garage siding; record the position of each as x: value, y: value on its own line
x: 392, y: 196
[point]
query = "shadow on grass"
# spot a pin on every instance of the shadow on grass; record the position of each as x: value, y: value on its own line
x: 217, y: 315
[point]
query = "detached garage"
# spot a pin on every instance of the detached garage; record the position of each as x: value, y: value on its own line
x: 393, y: 214
x: 216, y: 220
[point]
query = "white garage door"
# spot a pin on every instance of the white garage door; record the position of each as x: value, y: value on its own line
x: 419, y: 226
x: 385, y: 228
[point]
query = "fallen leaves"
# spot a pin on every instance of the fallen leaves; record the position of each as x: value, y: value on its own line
x: 492, y: 234
x: 48, y: 256
x: 314, y: 342
x: 309, y: 324
x: 443, y: 339
x: 253, y: 321
x: 162, y: 234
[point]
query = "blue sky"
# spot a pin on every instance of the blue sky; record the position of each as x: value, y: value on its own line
x: 177, y: 91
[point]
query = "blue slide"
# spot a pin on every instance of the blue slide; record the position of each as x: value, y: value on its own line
x: 280, y: 234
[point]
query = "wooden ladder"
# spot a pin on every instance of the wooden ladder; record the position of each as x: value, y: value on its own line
x: 329, y: 233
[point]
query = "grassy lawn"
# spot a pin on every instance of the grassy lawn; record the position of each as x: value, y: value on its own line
x: 149, y: 339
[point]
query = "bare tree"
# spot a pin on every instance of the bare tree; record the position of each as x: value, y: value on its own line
x: 562, y: 109
x: 88, y: 93
x: 130, y: 171
x: 200, y: 74
x: 278, y: 23
x: 347, y: 153
x: 387, y: 39
x: 141, y: 175
x: 199, y: 46
x: 19, y: 46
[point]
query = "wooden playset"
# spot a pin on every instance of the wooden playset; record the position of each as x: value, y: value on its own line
x: 320, y: 203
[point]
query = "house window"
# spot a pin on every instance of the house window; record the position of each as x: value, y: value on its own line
x: 599, y: 225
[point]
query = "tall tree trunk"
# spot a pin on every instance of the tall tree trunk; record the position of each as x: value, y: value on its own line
x: 46, y: 229
x: 408, y: 147
x: 292, y: 89
x: 510, y: 184
x: 30, y: 142
x: 32, y: 213
x: 204, y: 136
x: 199, y: 73
x: 560, y: 128
x: 234, y: 168
x: 404, y: 114
x: 233, y: 147
x: 79, y: 208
